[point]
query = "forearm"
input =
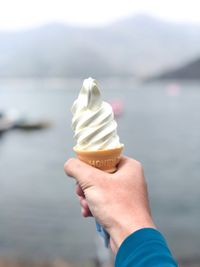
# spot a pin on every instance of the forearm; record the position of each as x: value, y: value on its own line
x: 145, y: 247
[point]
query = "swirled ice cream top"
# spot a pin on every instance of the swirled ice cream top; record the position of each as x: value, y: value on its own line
x: 93, y: 120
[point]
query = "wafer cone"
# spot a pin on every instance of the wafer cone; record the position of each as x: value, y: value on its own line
x: 105, y: 160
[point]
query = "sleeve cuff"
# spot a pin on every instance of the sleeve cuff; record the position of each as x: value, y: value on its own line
x: 133, y: 241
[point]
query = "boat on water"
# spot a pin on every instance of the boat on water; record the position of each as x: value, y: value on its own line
x: 5, y: 125
x: 8, y: 120
x: 12, y: 119
x: 33, y: 125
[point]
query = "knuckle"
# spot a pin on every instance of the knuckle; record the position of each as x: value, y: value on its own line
x: 145, y: 183
x: 145, y: 186
x: 139, y: 165
x: 68, y: 164
x: 90, y: 174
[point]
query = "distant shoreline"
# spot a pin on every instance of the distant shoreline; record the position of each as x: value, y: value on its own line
x: 58, y: 78
x: 65, y: 83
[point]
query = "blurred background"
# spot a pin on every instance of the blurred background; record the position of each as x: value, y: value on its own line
x: 146, y: 58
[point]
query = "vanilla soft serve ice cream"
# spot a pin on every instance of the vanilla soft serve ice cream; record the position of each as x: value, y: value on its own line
x: 93, y: 120
x: 95, y: 132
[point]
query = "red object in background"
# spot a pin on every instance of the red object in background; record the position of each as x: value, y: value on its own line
x: 173, y: 89
x: 117, y: 106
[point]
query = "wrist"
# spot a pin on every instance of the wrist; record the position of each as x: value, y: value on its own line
x: 123, y: 228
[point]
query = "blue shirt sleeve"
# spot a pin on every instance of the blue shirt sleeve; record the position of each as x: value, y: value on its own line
x: 144, y: 248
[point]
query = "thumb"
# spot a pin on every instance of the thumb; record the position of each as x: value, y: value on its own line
x: 84, y: 174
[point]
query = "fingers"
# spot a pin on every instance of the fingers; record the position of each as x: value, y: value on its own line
x: 124, y: 165
x: 84, y: 207
x: 82, y: 172
x: 86, y: 212
x: 123, y: 161
x: 79, y: 191
x: 85, y: 176
x: 83, y: 202
x: 127, y: 164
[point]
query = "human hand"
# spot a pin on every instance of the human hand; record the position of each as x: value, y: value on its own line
x: 118, y: 201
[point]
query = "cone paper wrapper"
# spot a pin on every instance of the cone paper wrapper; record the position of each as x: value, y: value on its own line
x: 105, y: 160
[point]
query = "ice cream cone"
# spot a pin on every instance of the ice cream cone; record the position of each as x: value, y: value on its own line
x: 105, y: 160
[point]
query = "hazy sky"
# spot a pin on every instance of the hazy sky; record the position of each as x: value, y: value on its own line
x: 16, y: 14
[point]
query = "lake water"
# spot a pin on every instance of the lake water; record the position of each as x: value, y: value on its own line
x: 39, y: 213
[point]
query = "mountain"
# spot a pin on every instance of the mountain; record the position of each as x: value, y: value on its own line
x: 139, y: 45
x: 190, y: 71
